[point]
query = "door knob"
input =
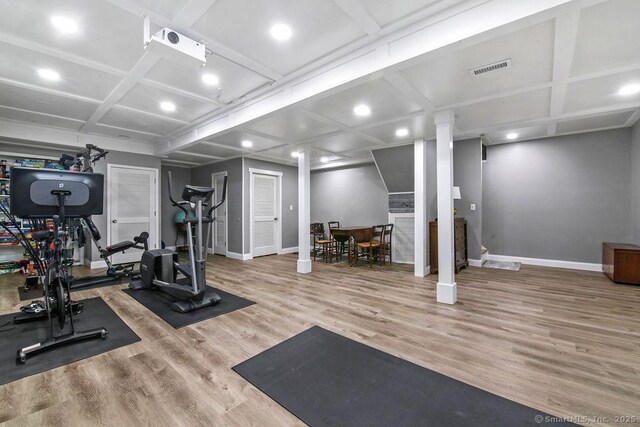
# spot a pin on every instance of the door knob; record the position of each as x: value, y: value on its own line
x: 114, y: 221
x: 275, y: 219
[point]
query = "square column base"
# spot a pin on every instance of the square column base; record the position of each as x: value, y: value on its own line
x: 304, y: 266
x: 446, y: 293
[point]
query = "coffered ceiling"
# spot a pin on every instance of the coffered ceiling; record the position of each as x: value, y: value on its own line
x: 567, y: 68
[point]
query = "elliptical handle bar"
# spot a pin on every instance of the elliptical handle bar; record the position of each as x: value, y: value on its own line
x: 173, y: 201
x: 224, y: 196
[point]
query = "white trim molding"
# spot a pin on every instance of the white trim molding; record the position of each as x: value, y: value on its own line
x: 572, y: 265
x: 240, y: 257
x: 475, y: 262
x: 291, y: 250
x: 95, y: 264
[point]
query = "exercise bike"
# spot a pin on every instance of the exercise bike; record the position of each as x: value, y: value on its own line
x: 159, y: 268
x: 60, y: 195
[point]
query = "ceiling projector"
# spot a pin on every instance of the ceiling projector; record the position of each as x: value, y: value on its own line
x: 174, y: 46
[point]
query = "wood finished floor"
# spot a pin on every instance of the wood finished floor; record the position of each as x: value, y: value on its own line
x: 565, y: 342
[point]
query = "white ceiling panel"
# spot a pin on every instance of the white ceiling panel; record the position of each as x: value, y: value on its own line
x: 318, y: 28
x: 126, y: 134
x: 41, y: 102
x: 166, y: 8
x: 292, y: 125
x: 107, y: 34
x: 185, y: 157
x: 597, y: 122
x: 608, y: 36
x: 524, y: 133
x: 384, y: 100
x: 147, y: 98
x: 283, y: 152
x: 522, y: 107
x: 235, y: 81
x: 385, y: 15
x: 446, y: 80
x: 341, y: 142
x: 234, y: 139
x: 137, y: 121
x: 212, y: 150
x: 600, y: 92
x: 22, y: 65
x: 43, y: 119
x: 421, y: 126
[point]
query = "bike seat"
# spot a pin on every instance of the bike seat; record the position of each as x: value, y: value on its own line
x: 117, y: 247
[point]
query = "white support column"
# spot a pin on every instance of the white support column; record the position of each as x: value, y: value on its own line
x: 304, y: 211
x: 446, y: 288
x: 420, y: 203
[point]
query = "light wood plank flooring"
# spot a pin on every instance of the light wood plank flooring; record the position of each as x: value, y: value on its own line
x: 565, y: 342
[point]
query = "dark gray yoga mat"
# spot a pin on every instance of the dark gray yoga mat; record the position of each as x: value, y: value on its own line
x: 96, y: 314
x: 160, y: 304
x: 326, y: 379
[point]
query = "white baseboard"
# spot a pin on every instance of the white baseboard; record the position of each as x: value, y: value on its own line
x: 291, y: 250
x: 241, y: 257
x: 549, y: 262
x: 475, y: 262
x: 95, y: 264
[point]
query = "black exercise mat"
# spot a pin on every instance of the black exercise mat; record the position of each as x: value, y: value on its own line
x: 160, y: 304
x: 326, y: 379
x: 96, y: 314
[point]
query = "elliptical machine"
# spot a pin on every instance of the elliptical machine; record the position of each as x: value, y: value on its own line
x: 159, y: 268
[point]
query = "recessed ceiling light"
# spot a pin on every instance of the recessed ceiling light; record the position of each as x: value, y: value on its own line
x: 324, y: 159
x: 281, y: 32
x: 402, y: 132
x: 294, y: 154
x: 361, y: 110
x: 630, y: 89
x: 512, y: 135
x: 64, y: 25
x: 168, y: 106
x: 246, y: 143
x: 210, y: 79
x: 49, y: 74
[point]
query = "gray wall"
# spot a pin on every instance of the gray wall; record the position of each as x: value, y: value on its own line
x: 635, y: 182
x: 467, y: 174
x: 396, y: 167
x: 180, y: 178
x: 203, y: 176
x: 352, y: 195
x: 289, y: 197
x: 558, y: 198
x: 127, y: 159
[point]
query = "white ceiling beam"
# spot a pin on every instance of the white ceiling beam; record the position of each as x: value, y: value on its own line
x: 265, y: 135
x: 41, y: 114
x: 192, y: 12
x: 448, y: 28
x: 410, y: 92
x: 141, y: 68
x: 49, y: 91
x: 61, y: 137
x: 184, y: 162
x: 566, y: 33
x: 150, y: 114
x: 633, y: 119
x: 336, y: 124
x: 359, y: 15
x: 177, y: 91
x: 206, y: 156
x: 66, y: 56
x: 141, y: 132
x: 167, y: 162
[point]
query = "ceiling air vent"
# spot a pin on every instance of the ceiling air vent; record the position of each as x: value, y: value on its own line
x: 500, y: 65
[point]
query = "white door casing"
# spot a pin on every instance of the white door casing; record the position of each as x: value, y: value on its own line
x: 220, y: 227
x: 265, y: 230
x: 132, y: 207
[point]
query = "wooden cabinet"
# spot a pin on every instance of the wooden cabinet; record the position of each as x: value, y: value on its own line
x: 621, y: 262
x: 460, y: 233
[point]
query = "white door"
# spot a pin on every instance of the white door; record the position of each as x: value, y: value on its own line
x: 265, y: 198
x: 220, y: 214
x: 132, y: 208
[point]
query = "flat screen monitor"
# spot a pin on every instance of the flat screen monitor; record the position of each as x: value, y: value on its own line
x: 31, y: 193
